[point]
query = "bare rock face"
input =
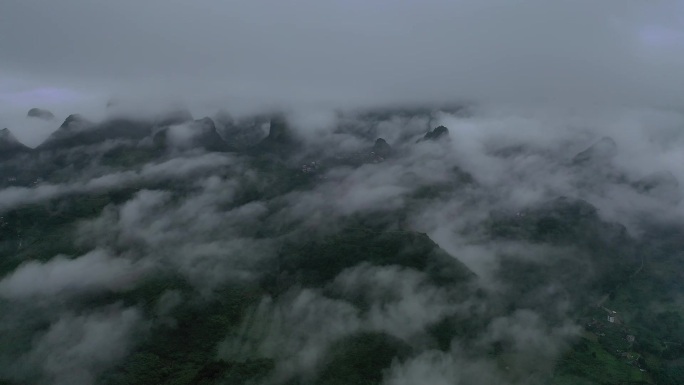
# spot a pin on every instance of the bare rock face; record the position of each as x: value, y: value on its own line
x: 40, y: 113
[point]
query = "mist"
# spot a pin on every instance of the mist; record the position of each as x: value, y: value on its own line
x: 406, y: 193
x: 76, y: 56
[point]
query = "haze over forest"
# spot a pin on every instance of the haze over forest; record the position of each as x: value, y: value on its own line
x: 359, y: 192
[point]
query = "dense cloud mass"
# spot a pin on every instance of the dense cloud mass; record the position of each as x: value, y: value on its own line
x: 271, y: 193
x: 81, y: 56
x: 77, y: 347
x: 90, y: 272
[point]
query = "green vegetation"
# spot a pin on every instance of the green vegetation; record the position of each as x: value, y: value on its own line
x: 589, y: 361
x: 320, y: 260
x: 360, y: 359
x: 184, y: 351
x: 575, y: 258
x: 126, y: 156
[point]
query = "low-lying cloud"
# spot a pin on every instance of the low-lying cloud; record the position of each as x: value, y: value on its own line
x: 245, y: 56
x: 60, y: 276
x: 78, y: 347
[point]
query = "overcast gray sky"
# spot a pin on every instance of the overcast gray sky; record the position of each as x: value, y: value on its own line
x: 75, y: 54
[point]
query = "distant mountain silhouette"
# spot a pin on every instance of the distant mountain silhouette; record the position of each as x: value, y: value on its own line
x: 77, y: 131
x: 40, y: 114
x: 438, y: 133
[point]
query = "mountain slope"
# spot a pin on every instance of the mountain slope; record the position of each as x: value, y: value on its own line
x: 10, y: 146
x: 77, y: 131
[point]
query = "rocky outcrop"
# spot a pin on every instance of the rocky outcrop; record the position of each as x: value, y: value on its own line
x: 40, y: 113
x: 438, y: 133
x: 279, y: 131
x: 381, y: 148
x: 77, y: 131
x: 280, y: 140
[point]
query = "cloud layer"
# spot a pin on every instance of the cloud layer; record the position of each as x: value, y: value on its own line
x: 245, y: 55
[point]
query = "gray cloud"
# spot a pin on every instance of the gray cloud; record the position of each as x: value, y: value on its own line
x: 196, y: 237
x: 78, y: 347
x: 289, y: 331
x: 244, y: 54
x: 403, y: 302
x: 91, y: 272
x: 439, y: 368
x: 176, y: 168
x: 533, y: 344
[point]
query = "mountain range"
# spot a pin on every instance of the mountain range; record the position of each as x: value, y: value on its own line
x: 260, y: 250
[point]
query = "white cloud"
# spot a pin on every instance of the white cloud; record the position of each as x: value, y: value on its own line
x: 95, y: 271
x: 402, y: 301
x: 77, y: 347
x: 439, y: 368
x: 296, y: 332
x: 352, y: 53
x: 176, y: 168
